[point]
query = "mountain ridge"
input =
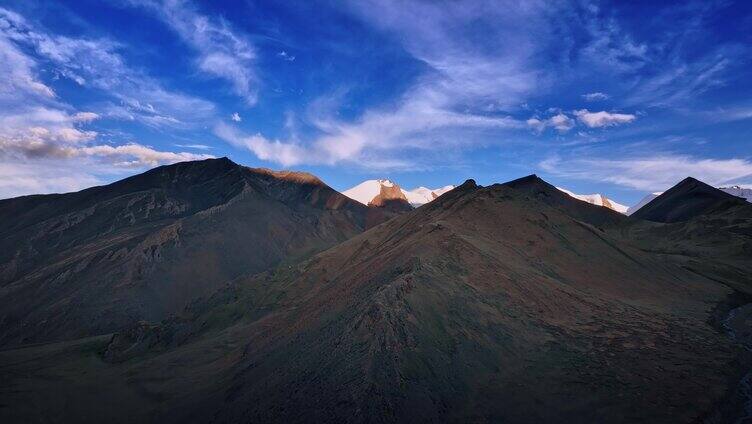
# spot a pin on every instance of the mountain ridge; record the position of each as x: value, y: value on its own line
x: 195, y: 225
x: 687, y: 199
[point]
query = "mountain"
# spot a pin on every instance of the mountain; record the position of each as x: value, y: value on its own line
x: 367, y: 191
x: 745, y: 193
x: 546, y: 193
x: 598, y: 200
x: 504, y: 303
x: 92, y: 262
x: 210, y: 292
x: 688, y: 199
x: 391, y: 198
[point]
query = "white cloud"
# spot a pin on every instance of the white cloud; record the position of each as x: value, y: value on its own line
x: 235, y: 117
x: 560, y: 122
x: 222, y: 52
x: 596, y: 96
x: 655, y: 173
x: 603, y: 118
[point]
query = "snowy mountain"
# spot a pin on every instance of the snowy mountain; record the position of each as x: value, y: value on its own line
x: 597, y: 199
x: 738, y: 191
x: 423, y: 195
x: 743, y: 192
x: 367, y: 191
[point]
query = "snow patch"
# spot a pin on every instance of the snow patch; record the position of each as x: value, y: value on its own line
x: 598, y: 200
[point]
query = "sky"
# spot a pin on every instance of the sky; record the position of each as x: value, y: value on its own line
x: 620, y: 98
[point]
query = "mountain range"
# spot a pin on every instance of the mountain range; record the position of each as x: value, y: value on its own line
x: 211, y: 292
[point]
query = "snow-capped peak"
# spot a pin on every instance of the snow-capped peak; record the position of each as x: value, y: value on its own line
x: 422, y: 195
x: 739, y: 191
x: 366, y: 191
x: 598, y: 200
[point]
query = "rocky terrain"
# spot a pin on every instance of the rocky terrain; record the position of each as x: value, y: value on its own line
x: 509, y: 303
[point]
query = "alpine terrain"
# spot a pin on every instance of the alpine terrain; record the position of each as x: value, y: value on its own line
x: 210, y: 292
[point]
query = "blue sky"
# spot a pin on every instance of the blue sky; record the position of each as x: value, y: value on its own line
x: 621, y: 98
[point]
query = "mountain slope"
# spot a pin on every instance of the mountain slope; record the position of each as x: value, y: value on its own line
x: 544, y: 192
x: 91, y: 262
x: 688, y: 199
x: 489, y: 304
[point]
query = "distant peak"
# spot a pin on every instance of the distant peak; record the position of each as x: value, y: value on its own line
x: 689, y: 180
x: 224, y: 159
x: 530, y: 180
x: 469, y: 183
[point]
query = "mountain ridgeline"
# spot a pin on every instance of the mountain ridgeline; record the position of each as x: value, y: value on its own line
x: 91, y: 262
x: 211, y: 292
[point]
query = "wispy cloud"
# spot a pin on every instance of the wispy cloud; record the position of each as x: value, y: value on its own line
x: 655, y: 173
x: 681, y: 81
x: 449, y: 99
x: 596, y: 96
x: 222, y: 51
x: 96, y: 64
x: 194, y: 146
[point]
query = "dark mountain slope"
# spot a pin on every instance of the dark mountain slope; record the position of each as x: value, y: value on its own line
x: 701, y: 228
x: 91, y: 262
x: 486, y: 305
x: 688, y: 199
x: 598, y: 216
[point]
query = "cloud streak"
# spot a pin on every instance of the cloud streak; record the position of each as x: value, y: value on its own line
x: 655, y: 173
x: 97, y: 64
x: 222, y: 52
